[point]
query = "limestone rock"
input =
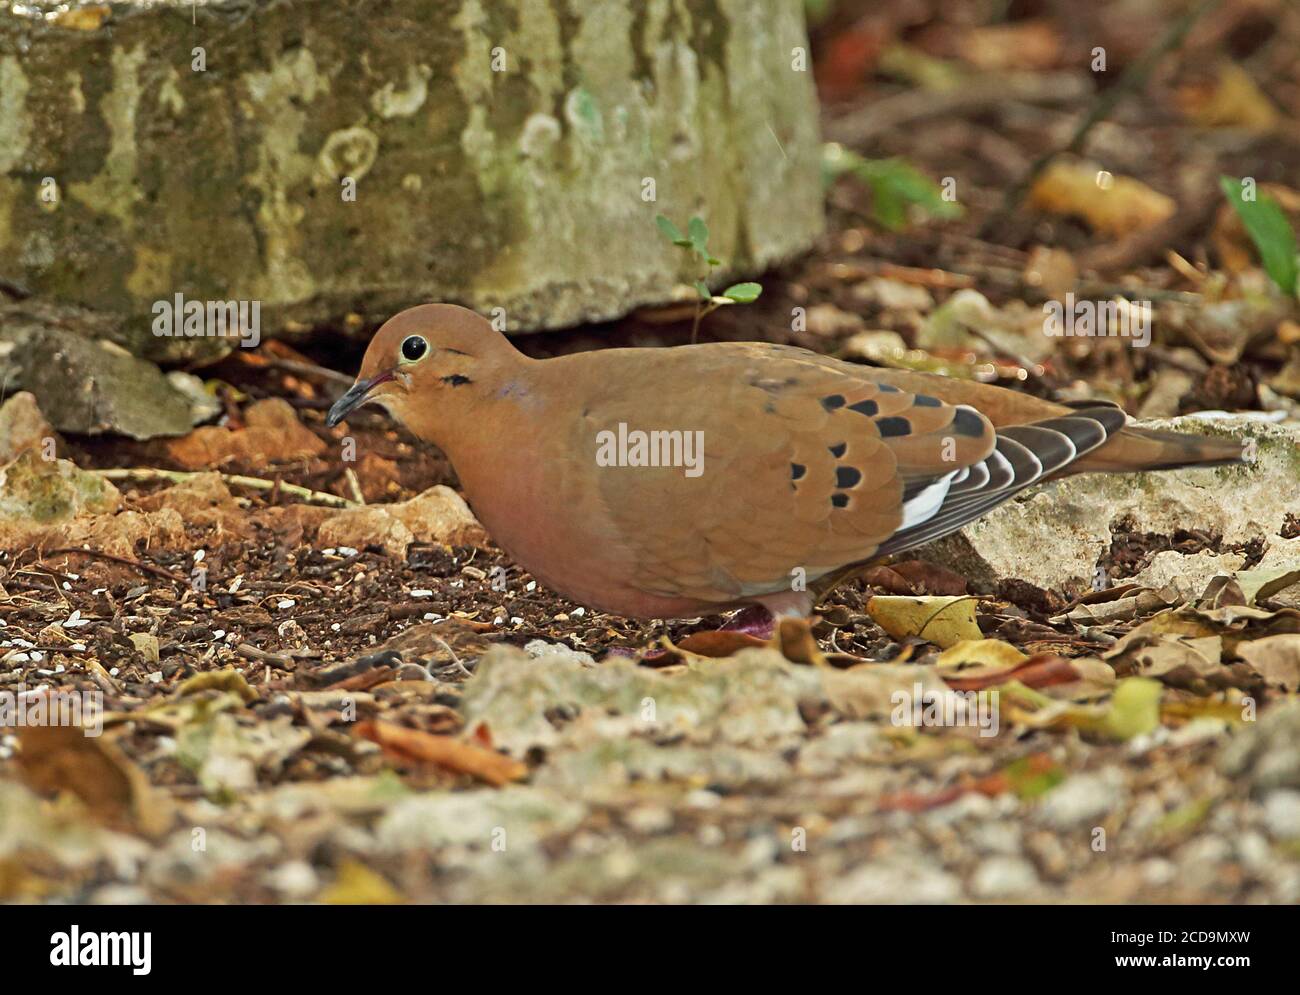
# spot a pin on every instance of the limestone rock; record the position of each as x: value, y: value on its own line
x: 1265, y: 754
x: 439, y: 514
x: 1054, y: 536
x: 1186, y: 574
x: 322, y: 159
x: 43, y: 491
x: 87, y: 385
x: 23, y: 426
x: 362, y: 527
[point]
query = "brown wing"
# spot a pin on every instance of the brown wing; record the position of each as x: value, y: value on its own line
x: 805, y: 465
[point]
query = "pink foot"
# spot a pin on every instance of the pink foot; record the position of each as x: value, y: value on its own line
x: 755, y: 621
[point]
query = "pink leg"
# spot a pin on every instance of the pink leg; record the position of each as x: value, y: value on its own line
x: 755, y: 620
x: 797, y: 604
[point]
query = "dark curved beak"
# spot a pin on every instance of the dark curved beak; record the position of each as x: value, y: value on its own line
x: 356, y: 396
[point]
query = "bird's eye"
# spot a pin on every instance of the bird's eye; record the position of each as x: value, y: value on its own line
x: 413, y: 347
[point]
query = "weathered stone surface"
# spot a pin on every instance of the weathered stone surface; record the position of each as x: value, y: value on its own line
x: 436, y: 515
x: 1055, y: 536
x: 23, y: 426
x: 1266, y: 754
x: 439, y: 514
x: 514, y: 693
x: 127, y: 177
x: 86, y: 383
x: 1187, y: 574
x: 43, y: 491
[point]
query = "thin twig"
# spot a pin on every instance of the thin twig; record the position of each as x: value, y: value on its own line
x: 455, y: 659
x: 354, y: 485
x: 148, y: 474
x: 896, y: 111
x: 250, y: 652
x: 1133, y: 78
x: 96, y: 554
x: 307, y: 369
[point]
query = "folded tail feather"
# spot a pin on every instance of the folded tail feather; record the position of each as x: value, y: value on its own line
x: 1136, y: 449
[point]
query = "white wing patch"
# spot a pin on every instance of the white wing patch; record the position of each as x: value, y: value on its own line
x: 922, y: 507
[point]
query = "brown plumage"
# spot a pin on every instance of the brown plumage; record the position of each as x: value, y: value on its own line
x: 809, y: 465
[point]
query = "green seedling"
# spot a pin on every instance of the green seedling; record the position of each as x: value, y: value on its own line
x: 696, y: 244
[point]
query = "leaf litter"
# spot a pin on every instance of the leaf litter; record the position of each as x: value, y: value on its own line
x: 321, y: 682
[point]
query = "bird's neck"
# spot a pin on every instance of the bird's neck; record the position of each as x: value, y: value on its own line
x: 495, y: 441
x: 492, y: 419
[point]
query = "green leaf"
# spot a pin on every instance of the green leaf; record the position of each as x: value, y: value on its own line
x: 713, y: 261
x: 895, y: 186
x: 743, y: 293
x: 670, y: 230
x: 699, y: 235
x: 702, y: 289
x: 1270, y: 231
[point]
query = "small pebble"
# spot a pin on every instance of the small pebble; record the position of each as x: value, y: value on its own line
x: 1282, y: 814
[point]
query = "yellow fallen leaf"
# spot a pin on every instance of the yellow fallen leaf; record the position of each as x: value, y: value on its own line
x: 83, y: 18
x: 980, y: 656
x: 357, y: 884
x: 944, y: 621
x: 1133, y: 709
x: 1259, y: 585
x: 228, y: 679
x: 1231, y: 100
x: 1111, y: 205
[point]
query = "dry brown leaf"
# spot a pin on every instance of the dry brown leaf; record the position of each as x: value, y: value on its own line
x: 54, y: 759
x: 1044, y: 670
x: 718, y: 643
x: 1034, y: 44
x: 1111, y: 205
x: 868, y: 690
x: 1275, y: 658
x: 415, y: 746
x: 928, y: 578
x: 794, y: 639
x: 273, y: 432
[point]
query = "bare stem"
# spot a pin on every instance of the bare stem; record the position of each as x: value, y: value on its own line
x: 148, y: 474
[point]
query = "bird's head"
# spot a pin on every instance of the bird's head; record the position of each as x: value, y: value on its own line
x: 423, y: 358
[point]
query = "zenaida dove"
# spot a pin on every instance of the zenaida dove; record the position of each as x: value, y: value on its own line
x: 810, y: 466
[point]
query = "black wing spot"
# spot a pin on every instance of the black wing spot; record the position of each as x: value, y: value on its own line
x: 925, y: 401
x: 833, y: 401
x: 868, y: 408
x: 847, y: 476
x: 797, y: 470
x: 840, y: 500
x: 456, y: 380
x: 966, y: 422
x: 887, y: 388
x: 839, y: 449
x: 893, y: 426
